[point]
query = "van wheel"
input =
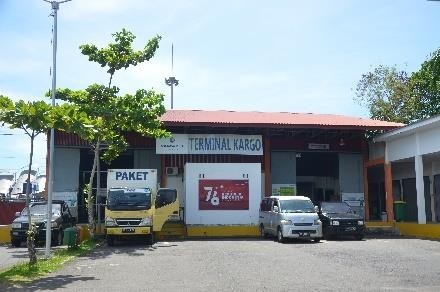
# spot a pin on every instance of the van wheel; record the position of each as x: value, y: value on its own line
x: 280, y: 236
x: 263, y: 234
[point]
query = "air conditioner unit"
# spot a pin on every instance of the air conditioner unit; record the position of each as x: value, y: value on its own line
x: 172, y: 170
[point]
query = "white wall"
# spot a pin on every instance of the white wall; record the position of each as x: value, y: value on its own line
x: 429, y: 141
x: 66, y: 166
x: 404, y: 147
x: 221, y: 171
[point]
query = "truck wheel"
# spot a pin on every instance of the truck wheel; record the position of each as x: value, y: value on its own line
x: 15, y: 242
x: 150, y: 239
x: 110, y: 240
x: 280, y: 236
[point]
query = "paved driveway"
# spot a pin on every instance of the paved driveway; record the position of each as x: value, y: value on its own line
x: 11, y: 255
x: 253, y: 265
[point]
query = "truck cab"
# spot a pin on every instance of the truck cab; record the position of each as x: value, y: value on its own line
x: 134, y: 208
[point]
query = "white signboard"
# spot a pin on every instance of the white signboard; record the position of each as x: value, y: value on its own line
x: 219, y: 213
x: 316, y: 146
x: 210, y: 144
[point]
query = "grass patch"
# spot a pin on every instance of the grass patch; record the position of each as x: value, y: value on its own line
x: 24, y: 272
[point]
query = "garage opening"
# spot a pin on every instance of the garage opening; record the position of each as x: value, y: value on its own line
x: 317, y: 176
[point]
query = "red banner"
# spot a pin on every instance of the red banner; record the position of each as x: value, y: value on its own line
x: 223, y: 194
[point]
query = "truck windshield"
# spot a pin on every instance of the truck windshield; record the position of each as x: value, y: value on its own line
x: 296, y: 206
x: 335, y: 208
x: 129, y: 199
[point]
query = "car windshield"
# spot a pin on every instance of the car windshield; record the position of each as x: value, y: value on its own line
x: 296, y: 206
x: 41, y: 209
x: 129, y: 199
x: 335, y: 208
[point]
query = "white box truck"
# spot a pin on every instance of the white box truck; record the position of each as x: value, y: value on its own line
x: 135, y: 207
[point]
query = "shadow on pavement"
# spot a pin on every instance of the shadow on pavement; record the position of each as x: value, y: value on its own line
x: 48, y: 283
x: 129, y: 248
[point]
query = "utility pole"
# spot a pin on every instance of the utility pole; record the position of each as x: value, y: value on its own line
x: 55, y: 6
x: 171, y: 81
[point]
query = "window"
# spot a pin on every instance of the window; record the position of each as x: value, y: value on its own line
x: 165, y: 197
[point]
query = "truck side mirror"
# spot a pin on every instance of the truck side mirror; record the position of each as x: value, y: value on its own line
x: 316, y: 209
x: 276, y: 209
x: 17, y: 214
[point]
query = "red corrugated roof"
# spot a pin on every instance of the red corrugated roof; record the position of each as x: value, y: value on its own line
x: 271, y: 120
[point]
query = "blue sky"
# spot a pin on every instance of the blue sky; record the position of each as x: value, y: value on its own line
x: 294, y: 56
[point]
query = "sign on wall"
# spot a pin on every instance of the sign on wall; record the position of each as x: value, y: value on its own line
x: 223, y: 194
x: 210, y: 144
x: 283, y: 189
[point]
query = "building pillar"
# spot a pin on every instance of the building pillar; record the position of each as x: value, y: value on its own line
x: 389, y: 199
x: 267, y: 164
x: 366, y: 199
x: 162, y: 171
x: 431, y: 192
x: 420, y: 187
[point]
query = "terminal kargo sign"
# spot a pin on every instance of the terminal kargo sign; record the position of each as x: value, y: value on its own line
x: 210, y: 144
x: 223, y: 194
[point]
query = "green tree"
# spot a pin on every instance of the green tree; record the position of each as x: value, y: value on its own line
x: 116, y: 114
x: 426, y: 85
x: 394, y: 95
x: 35, y: 118
x: 387, y: 93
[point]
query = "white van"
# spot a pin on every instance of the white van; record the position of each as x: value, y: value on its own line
x: 289, y: 217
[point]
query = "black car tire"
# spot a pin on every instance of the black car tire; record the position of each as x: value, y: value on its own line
x: 316, y: 240
x: 280, y: 236
x: 359, y: 236
x: 58, y: 239
x: 16, y: 242
x: 150, y: 240
x: 328, y: 236
x: 263, y: 233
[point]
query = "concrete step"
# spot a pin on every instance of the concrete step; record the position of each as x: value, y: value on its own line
x: 381, y: 230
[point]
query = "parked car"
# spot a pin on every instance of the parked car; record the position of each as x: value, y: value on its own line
x: 61, y: 219
x: 339, y: 219
x: 289, y: 217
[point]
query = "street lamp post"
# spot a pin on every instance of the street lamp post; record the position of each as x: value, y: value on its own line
x: 55, y: 6
x: 171, y: 81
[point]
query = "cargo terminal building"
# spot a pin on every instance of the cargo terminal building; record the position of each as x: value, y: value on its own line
x: 223, y: 162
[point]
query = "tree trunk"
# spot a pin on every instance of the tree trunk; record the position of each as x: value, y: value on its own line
x: 31, y: 231
x: 89, y: 193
